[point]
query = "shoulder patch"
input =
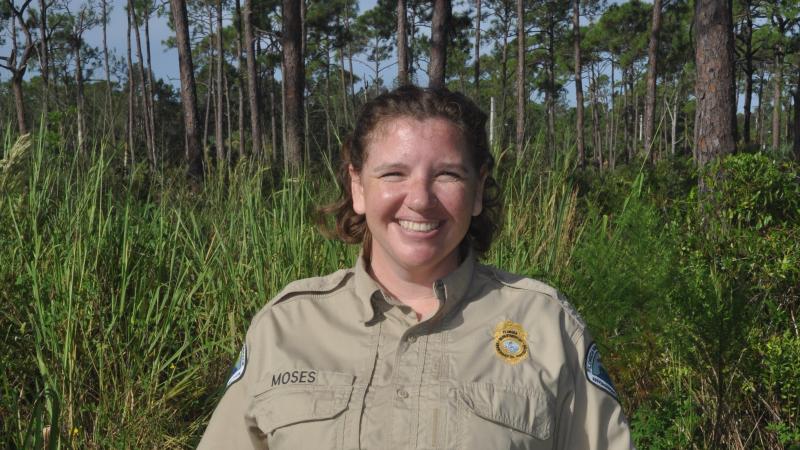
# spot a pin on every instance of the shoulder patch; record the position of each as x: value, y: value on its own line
x: 238, y: 369
x: 314, y: 286
x: 596, y: 373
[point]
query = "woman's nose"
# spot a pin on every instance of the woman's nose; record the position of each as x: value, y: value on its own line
x: 420, y: 195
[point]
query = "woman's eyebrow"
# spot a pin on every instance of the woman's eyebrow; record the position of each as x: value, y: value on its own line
x: 389, y: 166
x: 454, y: 166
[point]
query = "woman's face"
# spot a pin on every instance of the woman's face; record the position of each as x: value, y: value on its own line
x: 419, y: 190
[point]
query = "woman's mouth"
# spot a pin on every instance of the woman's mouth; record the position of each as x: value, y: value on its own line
x: 420, y: 227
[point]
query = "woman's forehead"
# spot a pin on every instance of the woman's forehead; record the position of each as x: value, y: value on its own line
x: 409, y: 127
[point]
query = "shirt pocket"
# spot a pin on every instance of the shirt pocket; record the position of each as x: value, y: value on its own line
x: 507, y: 417
x: 298, y: 416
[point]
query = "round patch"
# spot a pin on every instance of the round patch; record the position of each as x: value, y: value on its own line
x: 510, y: 342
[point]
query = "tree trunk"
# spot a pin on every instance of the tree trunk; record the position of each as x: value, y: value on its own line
x: 19, y: 67
x: 477, y: 75
x: 402, y: 45
x: 504, y: 83
x: 796, y: 143
x: 715, y: 115
x: 188, y: 90
x: 439, y: 33
x: 550, y: 98
x: 131, y: 93
x: 106, y: 66
x: 79, y: 93
x: 252, y: 79
x: 44, y: 55
x: 576, y: 29
x: 625, y: 113
x: 519, y: 138
x: 240, y: 73
x: 147, y: 106
x: 219, y: 109
x: 612, y: 120
x: 294, y: 79
x: 19, y: 102
x: 776, y: 100
x: 150, y: 85
x: 748, y: 72
x: 273, y: 113
x: 652, y: 75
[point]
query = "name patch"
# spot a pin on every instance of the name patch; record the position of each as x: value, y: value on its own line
x: 294, y: 377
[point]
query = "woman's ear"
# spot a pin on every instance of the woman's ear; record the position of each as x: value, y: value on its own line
x: 356, y: 190
x: 477, y: 206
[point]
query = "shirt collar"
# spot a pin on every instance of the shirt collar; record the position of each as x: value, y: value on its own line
x: 450, y: 290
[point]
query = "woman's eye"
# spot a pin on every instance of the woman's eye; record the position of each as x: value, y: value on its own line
x: 391, y: 175
x: 450, y: 175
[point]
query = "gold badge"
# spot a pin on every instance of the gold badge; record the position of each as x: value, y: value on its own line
x: 510, y: 342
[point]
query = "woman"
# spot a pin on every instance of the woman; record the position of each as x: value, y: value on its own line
x: 418, y: 346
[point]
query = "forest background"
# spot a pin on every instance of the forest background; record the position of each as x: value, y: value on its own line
x: 647, y: 152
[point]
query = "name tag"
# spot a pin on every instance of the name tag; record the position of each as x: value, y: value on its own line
x: 294, y: 377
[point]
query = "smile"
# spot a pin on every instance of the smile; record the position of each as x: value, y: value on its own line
x: 418, y: 226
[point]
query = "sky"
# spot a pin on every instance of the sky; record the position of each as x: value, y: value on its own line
x: 165, y: 61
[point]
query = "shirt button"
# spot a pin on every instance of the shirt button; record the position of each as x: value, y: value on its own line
x: 402, y: 393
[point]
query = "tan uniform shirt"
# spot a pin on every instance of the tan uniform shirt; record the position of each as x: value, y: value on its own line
x: 505, y: 363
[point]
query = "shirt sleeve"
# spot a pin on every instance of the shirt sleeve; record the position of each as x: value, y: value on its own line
x: 229, y: 427
x: 590, y: 415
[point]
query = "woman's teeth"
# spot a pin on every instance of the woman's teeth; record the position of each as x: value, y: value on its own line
x: 418, y: 226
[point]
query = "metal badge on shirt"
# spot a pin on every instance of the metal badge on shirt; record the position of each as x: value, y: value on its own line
x: 238, y: 368
x: 596, y: 373
x: 510, y: 342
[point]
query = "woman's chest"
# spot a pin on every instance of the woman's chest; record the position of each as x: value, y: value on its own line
x: 457, y: 387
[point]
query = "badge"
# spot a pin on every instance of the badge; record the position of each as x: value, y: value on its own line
x: 510, y: 342
x: 596, y: 373
x: 238, y: 368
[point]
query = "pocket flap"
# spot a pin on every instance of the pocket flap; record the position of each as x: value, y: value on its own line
x: 282, y: 405
x: 528, y: 411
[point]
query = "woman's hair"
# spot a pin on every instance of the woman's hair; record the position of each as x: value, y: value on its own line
x: 420, y: 104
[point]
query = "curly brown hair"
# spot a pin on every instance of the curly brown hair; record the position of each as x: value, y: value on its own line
x: 417, y: 103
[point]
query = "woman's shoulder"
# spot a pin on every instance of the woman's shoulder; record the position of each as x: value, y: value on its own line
x: 523, y: 288
x: 312, y: 287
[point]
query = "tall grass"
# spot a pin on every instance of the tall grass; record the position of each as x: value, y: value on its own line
x: 124, y: 298
x: 124, y: 304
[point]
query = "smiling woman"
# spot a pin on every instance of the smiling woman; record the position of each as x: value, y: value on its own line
x: 418, y: 346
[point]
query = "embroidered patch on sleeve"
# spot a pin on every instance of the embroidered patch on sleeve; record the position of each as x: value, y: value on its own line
x: 596, y: 373
x: 238, y: 368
